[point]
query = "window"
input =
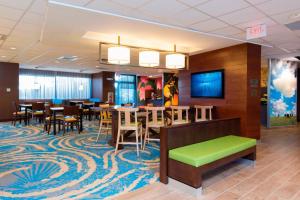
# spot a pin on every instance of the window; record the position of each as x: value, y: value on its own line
x: 125, y: 89
x: 34, y: 84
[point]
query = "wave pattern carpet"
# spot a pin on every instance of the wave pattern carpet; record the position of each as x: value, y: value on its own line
x: 34, y: 165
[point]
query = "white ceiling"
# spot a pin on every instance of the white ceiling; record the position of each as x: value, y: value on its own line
x: 41, y: 31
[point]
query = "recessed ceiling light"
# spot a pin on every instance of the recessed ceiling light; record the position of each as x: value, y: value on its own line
x: 3, y: 56
x: 13, y: 48
x: 293, y: 16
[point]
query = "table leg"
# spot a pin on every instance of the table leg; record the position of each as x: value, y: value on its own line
x: 90, y: 117
x: 26, y: 119
x: 81, y: 126
x: 54, y: 122
x: 114, y: 130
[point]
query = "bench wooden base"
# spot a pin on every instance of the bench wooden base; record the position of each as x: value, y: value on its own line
x: 192, y: 176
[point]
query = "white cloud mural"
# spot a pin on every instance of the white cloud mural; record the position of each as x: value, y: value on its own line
x: 286, y: 82
x: 279, y: 107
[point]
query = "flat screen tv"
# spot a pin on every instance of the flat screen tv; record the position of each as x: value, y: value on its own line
x: 209, y: 84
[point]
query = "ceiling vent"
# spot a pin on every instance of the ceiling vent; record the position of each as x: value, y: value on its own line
x: 294, y: 26
x: 67, y: 58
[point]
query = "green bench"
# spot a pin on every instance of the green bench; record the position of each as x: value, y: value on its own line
x: 209, y: 151
x: 187, y: 154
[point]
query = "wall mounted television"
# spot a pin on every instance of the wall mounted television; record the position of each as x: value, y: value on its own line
x: 208, y: 84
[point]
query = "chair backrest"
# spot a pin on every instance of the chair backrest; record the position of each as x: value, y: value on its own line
x: 38, y: 106
x: 71, y: 111
x: 127, y: 117
x: 182, y: 113
x: 48, y: 112
x: 202, y: 110
x: 157, y: 114
x: 15, y: 106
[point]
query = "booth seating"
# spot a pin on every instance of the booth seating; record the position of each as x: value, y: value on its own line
x: 189, y: 150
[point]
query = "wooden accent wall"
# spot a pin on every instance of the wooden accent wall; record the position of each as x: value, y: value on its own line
x: 101, y: 85
x: 242, y: 65
x: 9, y: 78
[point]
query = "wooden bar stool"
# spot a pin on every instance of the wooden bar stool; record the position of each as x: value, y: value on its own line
x: 182, y: 114
x: 105, y: 119
x: 156, y: 121
x: 203, y: 113
x: 127, y: 118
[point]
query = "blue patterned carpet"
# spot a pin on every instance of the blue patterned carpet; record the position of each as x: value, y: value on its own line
x: 34, y: 165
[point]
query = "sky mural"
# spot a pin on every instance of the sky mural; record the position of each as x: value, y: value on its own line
x: 282, y: 93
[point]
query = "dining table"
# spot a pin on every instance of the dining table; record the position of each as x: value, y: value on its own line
x: 88, y: 105
x: 56, y: 110
x: 26, y: 107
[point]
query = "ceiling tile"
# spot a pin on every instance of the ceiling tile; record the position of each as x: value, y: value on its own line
x: 164, y: 8
x: 108, y: 6
x: 221, y: 7
x: 74, y: 2
x: 188, y: 17
x: 294, y: 45
x: 10, y: 13
x: 23, y: 4
x: 39, y: 6
x: 256, y: 1
x: 244, y: 15
x: 287, y: 17
x: 278, y: 30
x: 278, y: 6
x: 4, y: 30
x: 32, y: 18
x: 6, y: 23
x: 227, y: 31
x: 267, y: 21
x: 192, y: 2
x: 131, y: 3
x: 209, y: 25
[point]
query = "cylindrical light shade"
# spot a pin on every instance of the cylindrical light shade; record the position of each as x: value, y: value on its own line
x: 119, y: 55
x: 175, y: 61
x: 149, y: 58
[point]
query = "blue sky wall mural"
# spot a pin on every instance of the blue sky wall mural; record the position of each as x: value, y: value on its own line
x: 282, y: 93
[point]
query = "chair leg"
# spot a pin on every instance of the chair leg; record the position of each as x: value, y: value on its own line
x: 137, y: 140
x: 77, y: 126
x: 118, y: 139
x: 64, y: 128
x: 49, y: 128
x: 99, y: 132
x: 146, y: 138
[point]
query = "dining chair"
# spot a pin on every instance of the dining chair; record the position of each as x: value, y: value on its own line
x: 105, y: 119
x: 71, y: 117
x: 128, y: 121
x: 48, y: 120
x: 154, y: 119
x: 17, y: 113
x: 180, y: 115
x: 38, y: 111
x: 203, y: 113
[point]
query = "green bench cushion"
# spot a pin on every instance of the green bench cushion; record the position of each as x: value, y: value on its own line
x: 206, y: 152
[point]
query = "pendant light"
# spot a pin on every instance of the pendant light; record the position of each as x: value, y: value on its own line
x: 119, y: 55
x: 175, y: 60
x: 149, y: 58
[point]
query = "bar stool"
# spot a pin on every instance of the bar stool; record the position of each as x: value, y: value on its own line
x: 126, y: 123
x: 105, y: 119
x: 156, y: 121
x: 182, y: 113
x: 203, y: 116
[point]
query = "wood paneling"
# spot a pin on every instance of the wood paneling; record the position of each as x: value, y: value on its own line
x: 9, y: 78
x: 103, y: 83
x: 241, y: 64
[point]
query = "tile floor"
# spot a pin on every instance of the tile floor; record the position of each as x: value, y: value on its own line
x: 275, y: 176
